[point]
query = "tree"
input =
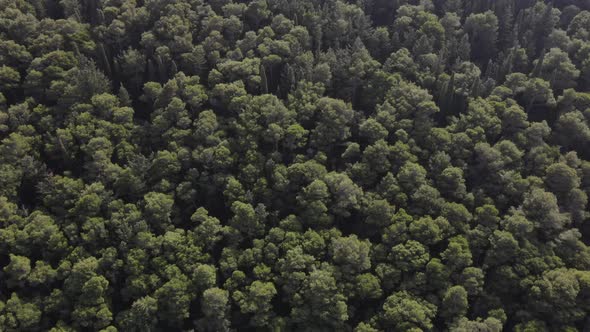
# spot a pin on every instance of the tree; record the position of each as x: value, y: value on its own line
x: 452, y: 183
x: 215, y: 306
x: 403, y: 311
x: 247, y: 220
x: 578, y: 28
x: 483, y: 35
x: 345, y: 194
x: 472, y: 279
x: 142, y: 315
x: 558, y: 286
x: 332, y: 125
x: 368, y: 286
x: 18, y: 269
x: 313, y: 201
x: 490, y: 324
x: 208, y: 229
x: 373, y: 130
x: 401, y: 61
x: 91, y: 310
x: 457, y: 255
x: 454, y: 303
x: 323, y: 306
x: 133, y: 65
x: 158, y: 208
x: 557, y: 68
x: 256, y: 301
x: 9, y: 78
x: 541, y: 207
x: 572, y: 130
x: 379, y: 212
x: 411, y: 176
x: 19, y: 314
x: 174, y: 300
x: 504, y: 248
x: 410, y: 256
x: 429, y: 231
x: 351, y: 254
x: 561, y: 179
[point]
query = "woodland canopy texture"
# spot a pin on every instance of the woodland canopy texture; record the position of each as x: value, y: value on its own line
x: 294, y: 165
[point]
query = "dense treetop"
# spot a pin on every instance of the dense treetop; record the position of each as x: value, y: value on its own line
x: 309, y: 165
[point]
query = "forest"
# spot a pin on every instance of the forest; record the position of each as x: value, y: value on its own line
x: 295, y: 165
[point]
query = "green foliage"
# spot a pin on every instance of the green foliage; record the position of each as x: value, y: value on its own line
x: 405, y: 312
x: 294, y: 165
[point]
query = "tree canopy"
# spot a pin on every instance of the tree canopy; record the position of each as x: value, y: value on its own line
x: 310, y: 165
